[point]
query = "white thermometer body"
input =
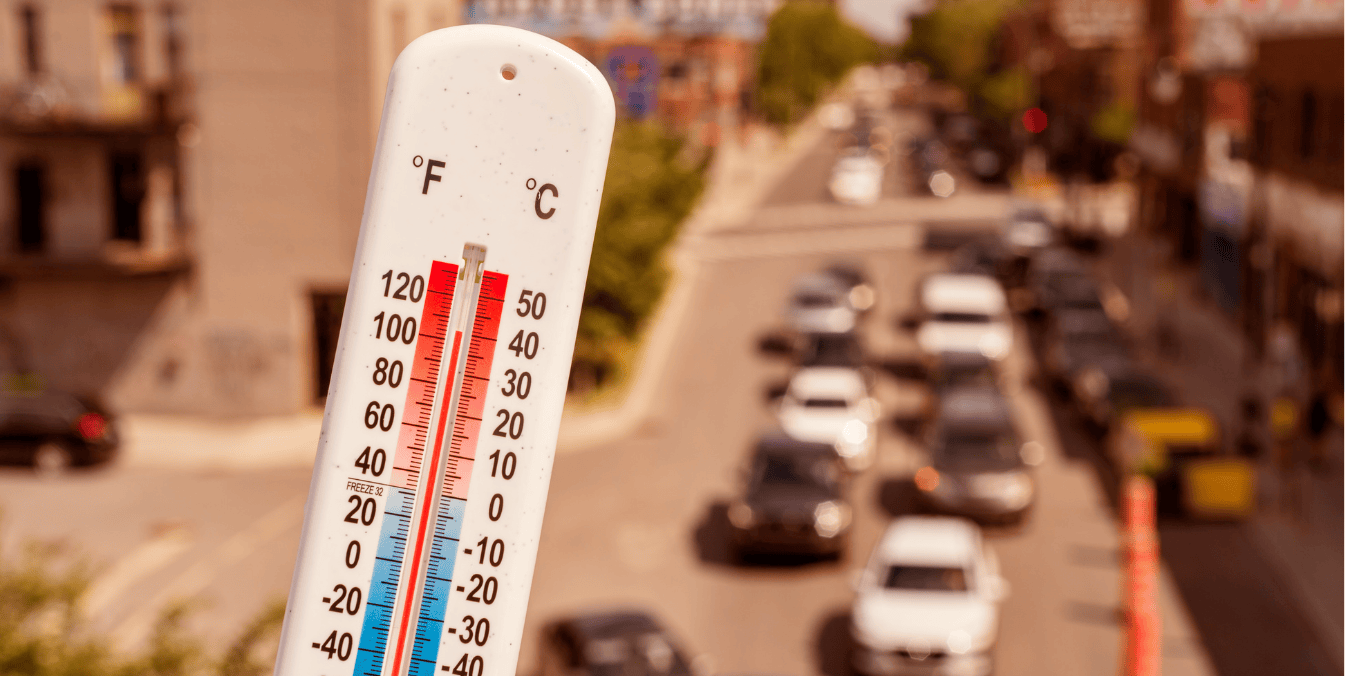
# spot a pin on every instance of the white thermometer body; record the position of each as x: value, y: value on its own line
x: 429, y: 488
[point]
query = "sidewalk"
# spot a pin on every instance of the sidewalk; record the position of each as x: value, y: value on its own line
x: 1210, y: 370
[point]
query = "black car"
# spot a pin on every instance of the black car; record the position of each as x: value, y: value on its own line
x: 977, y: 465
x: 986, y: 255
x: 616, y: 643
x: 1077, y: 339
x: 1107, y: 389
x: 53, y: 430
x: 1050, y: 271
x: 831, y: 349
x: 952, y: 370
x: 794, y: 501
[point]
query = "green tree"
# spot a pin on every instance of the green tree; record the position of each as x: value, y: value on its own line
x: 42, y: 633
x: 651, y: 186
x: 956, y: 40
x: 807, y: 49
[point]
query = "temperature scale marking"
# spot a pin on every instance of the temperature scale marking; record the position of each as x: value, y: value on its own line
x: 404, y: 528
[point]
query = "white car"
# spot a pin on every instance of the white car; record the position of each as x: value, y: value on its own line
x: 964, y: 313
x: 820, y: 303
x: 927, y: 601
x: 857, y: 178
x: 832, y: 405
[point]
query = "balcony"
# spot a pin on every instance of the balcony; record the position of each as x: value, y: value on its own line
x: 44, y: 106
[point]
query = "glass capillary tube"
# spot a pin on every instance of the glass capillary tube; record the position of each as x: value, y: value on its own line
x: 459, y: 331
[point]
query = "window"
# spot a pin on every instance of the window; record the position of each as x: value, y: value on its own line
x: 28, y: 193
x: 128, y: 187
x: 122, y: 31
x: 1307, y: 127
x: 328, y: 315
x: 173, y: 40
x: 32, y: 50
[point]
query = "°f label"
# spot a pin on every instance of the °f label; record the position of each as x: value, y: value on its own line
x: 430, y: 480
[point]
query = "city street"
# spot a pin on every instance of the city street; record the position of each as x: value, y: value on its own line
x: 639, y: 522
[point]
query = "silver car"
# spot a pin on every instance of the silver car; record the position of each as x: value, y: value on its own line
x: 820, y: 303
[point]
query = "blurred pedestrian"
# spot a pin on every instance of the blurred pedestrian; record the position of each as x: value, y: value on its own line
x: 1318, y: 423
x: 1288, y: 452
x: 1251, y: 443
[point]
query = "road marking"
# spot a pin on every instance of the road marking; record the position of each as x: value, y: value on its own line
x: 136, y: 628
x: 151, y: 556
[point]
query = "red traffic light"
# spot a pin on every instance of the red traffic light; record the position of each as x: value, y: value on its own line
x: 1035, y: 120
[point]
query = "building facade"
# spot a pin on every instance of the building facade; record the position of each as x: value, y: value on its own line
x: 182, y: 189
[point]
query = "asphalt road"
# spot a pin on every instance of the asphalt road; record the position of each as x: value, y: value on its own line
x: 637, y: 523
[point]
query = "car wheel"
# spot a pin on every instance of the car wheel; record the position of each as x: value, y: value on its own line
x: 53, y: 457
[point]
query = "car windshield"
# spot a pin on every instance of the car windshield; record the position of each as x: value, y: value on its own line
x: 831, y: 351
x: 814, y: 300
x: 825, y: 403
x: 926, y: 578
x: 1138, y: 392
x: 966, y: 374
x: 984, y: 449
x: 796, y: 470
x: 649, y: 654
x: 962, y: 317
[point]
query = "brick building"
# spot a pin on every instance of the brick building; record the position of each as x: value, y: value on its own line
x: 704, y: 51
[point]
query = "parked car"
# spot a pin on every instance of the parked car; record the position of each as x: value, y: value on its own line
x: 1106, y: 390
x: 857, y: 178
x: 1078, y: 338
x: 831, y: 405
x: 977, y: 465
x: 793, y: 501
x: 927, y: 601
x: 929, y: 161
x: 1029, y: 230
x: 964, y: 313
x: 952, y: 370
x: 820, y: 303
x: 852, y: 275
x: 1050, y: 270
x: 986, y: 255
x: 831, y: 349
x: 54, y: 430
x: 613, y: 643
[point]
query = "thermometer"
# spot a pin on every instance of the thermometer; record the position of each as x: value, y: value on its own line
x: 429, y: 487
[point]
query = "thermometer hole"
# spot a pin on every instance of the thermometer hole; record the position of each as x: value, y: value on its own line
x: 509, y: 71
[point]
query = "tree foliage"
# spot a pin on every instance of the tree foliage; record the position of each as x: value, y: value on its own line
x: 42, y: 632
x: 807, y: 49
x: 956, y: 40
x: 651, y: 186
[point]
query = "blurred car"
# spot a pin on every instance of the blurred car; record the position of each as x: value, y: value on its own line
x: 616, y: 643
x: 831, y: 405
x: 1050, y: 270
x: 1078, y: 338
x: 1105, y: 391
x: 852, y: 275
x: 820, y: 303
x: 977, y: 467
x: 832, y: 349
x: 794, y: 500
x: 954, y: 370
x: 987, y: 255
x: 927, y: 601
x: 928, y: 163
x: 964, y: 313
x: 857, y: 178
x: 1028, y: 229
x: 54, y: 430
